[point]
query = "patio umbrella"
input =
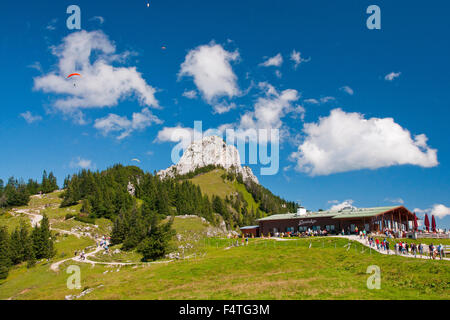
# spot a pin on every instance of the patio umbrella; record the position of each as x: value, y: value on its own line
x: 416, y: 226
x: 427, y: 223
x: 433, y: 224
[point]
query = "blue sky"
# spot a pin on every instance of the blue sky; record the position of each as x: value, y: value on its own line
x: 385, y: 142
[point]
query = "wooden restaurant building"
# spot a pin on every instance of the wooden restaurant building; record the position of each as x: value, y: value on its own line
x: 376, y: 219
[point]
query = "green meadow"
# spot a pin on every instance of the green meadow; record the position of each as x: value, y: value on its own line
x: 315, y: 268
x: 322, y: 268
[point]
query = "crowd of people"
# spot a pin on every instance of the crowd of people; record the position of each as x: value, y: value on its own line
x: 403, y: 247
x: 104, y: 243
x: 82, y: 255
x: 381, y: 244
x: 308, y: 233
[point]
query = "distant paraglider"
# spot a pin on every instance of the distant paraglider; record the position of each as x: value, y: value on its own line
x: 137, y: 160
x: 72, y: 75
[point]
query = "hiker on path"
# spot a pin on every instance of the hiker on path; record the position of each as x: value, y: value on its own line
x: 440, y: 251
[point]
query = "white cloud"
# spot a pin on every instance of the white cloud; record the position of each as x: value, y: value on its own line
x: 438, y: 210
x: 125, y: 126
x: 191, y: 94
x: 267, y: 113
x: 391, y: 76
x: 183, y: 134
x: 101, y: 84
x: 275, y: 61
x: 36, y: 66
x: 311, y: 101
x: 322, y: 100
x: 395, y: 200
x: 81, y: 163
x: 223, y: 107
x: 278, y: 74
x: 210, y: 67
x: 342, y: 205
x: 269, y: 109
x: 176, y: 134
x: 347, y: 141
x: 30, y: 118
x: 347, y: 90
x: 299, y: 112
x: 327, y: 99
x: 296, y: 57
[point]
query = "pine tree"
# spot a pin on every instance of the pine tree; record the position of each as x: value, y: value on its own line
x: 45, y: 182
x: 52, y: 183
x: 5, y: 261
x: 3, y: 199
x: 66, y: 182
x: 157, y: 243
x: 43, y: 246
x: 15, y: 247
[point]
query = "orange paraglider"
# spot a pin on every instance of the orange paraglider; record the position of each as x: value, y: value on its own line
x: 73, y: 74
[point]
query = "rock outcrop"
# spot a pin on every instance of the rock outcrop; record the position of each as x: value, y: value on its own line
x: 211, y: 150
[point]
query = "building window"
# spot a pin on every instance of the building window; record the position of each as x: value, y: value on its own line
x: 289, y: 229
x: 302, y: 228
x: 330, y: 227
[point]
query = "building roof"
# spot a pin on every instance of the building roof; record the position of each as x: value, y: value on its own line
x: 249, y: 227
x: 345, y: 213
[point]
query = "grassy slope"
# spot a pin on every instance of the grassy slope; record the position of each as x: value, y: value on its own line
x: 12, y: 222
x: 211, y: 184
x: 264, y: 270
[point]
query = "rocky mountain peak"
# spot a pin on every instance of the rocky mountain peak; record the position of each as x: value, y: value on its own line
x: 211, y: 150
